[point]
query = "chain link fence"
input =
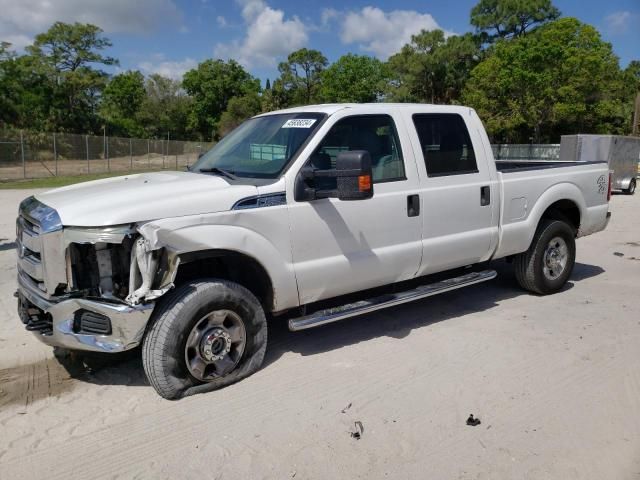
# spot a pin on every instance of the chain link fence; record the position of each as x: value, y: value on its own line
x: 37, y: 155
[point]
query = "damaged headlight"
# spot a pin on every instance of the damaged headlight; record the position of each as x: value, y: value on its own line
x: 115, y: 263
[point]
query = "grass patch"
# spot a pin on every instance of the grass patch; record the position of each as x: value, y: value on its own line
x: 54, y: 182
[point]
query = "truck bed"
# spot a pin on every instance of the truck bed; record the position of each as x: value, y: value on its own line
x: 528, y: 187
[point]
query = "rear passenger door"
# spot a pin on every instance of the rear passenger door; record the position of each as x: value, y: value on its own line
x: 458, y: 227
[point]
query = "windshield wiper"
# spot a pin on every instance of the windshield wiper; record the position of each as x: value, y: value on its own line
x: 218, y: 171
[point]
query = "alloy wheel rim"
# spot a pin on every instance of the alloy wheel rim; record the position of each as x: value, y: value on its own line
x: 556, y: 257
x: 215, y: 345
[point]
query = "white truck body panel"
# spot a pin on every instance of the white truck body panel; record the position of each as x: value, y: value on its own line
x: 143, y: 196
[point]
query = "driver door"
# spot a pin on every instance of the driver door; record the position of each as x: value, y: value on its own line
x: 339, y: 246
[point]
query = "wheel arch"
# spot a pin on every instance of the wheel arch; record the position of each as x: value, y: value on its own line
x: 235, y: 266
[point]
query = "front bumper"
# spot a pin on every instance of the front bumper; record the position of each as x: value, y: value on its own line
x: 127, y: 323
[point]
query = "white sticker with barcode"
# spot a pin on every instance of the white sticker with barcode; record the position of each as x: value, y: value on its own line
x: 299, y: 123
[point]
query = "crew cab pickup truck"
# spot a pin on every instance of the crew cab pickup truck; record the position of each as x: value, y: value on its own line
x: 308, y: 215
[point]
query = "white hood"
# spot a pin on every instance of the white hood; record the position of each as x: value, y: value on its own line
x: 141, y: 197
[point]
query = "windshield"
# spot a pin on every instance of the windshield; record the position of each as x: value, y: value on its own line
x: 261, y: 147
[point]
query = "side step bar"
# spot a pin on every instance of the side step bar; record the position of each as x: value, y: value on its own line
x: 330, y: 315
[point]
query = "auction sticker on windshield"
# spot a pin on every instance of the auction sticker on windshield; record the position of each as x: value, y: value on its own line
x: 299, y: 123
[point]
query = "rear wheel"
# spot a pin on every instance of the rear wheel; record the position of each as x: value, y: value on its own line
x: 205, y: 335
x: 631, y: 189
x: 548, y: 263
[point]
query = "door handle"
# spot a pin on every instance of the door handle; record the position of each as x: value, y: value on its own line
x: 485, y: 196
x: 413, y: 205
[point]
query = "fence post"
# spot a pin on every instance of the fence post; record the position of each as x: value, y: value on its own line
x: 55, y: 154
x: 130, y: 155
x: 177, y: 158
x: 106, y: 153
x: 148, y: 153
x: 24, y: 165
x: 86, y: 143
x: 164, y: 154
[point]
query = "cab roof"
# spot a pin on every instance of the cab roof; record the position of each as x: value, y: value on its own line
x: 331, y: 108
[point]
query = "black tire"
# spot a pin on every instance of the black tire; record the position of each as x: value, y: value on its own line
x: 632, y: 187
x: 163, y: 349
x: 529, y: 266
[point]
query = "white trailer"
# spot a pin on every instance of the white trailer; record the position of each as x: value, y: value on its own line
x: 621, y: 153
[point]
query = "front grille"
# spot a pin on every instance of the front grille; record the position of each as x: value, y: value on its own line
x: 38, y: 227
x: 29, y: 246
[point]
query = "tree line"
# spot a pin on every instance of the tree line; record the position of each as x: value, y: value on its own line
x: 531, y: 74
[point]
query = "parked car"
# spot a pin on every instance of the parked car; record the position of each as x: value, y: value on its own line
x: 308, y: 215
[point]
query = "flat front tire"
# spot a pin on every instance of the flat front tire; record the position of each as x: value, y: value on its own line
x: 547, y: 265
x: 204, y: 336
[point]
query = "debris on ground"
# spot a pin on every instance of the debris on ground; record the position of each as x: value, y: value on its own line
x: 618, y: 254
x: 472, y: 421
x: 359, y: 430
x: 344, y: 410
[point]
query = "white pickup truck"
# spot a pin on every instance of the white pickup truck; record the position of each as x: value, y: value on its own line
x: 308, y: 215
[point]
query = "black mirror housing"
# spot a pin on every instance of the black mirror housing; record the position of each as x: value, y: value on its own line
x: 354, y: 175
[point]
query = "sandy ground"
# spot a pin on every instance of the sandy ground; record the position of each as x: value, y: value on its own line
x: 555, y: 381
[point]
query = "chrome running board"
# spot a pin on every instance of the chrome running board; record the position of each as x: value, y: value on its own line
x: 335, y: 314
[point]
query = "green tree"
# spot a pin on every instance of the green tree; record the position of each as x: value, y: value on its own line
x: 632, y: 76
x: 275, y: 97
x: 301, y: 75
x: 510, y: 18
x: 121, y: 101
x: 631, y: 91
x: 212, y: 84
x: 238, y: 110
x: 432, y: 68
x: 353, y: 78
x: 26, y: 94
x: 67, y: 55
x: 561, y: 78
x: 165, y: 109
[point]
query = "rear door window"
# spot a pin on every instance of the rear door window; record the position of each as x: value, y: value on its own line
x: 446, y: 144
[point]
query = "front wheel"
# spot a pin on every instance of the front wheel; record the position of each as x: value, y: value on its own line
x: 548, y: 263
x: 204, y: 336
x: 631, y: 189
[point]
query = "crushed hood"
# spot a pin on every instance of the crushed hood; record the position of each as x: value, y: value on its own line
x: 143, y: 196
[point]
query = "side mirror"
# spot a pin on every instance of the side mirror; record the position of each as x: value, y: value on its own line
x: 353, y: 179
x: 354, y: 175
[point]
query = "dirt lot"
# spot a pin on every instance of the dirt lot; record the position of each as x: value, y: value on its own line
x: 555, y: 381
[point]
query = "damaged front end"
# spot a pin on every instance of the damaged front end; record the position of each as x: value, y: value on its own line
x: 87, y: 288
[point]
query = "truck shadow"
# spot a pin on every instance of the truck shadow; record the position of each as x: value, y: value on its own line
x: 396, y: 322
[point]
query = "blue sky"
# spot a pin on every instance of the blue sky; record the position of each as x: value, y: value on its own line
x: 171, y: 36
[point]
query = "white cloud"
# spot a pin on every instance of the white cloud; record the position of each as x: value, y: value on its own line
x: 167, y: 68
x: 618, y: 22
x: 22, y: 19
x: 327, y: 15
x: 222, y: 22
x: 269, y: 35
x: 384, y: 33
